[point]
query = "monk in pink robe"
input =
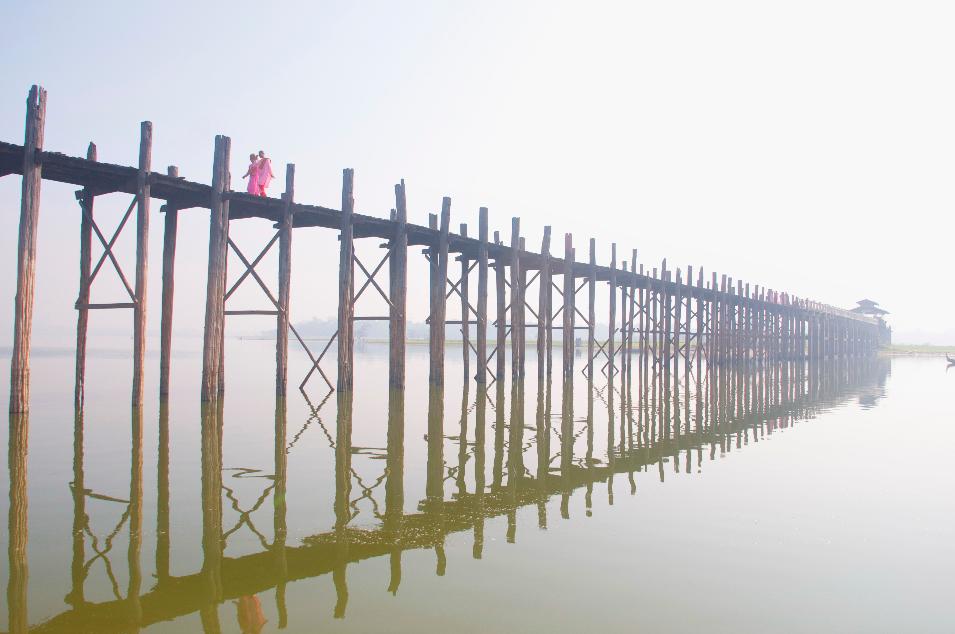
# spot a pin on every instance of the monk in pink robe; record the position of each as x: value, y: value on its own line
x: 253, y: 175
x: 265, y: 172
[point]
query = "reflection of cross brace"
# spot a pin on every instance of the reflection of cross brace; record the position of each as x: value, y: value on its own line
x: 107, y: 253
x: 370, y: 280
x: 245, y: 517
x: 312, y: 417
x: 107, y: 542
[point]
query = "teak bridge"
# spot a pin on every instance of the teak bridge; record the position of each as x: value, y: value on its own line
x: 661, y: 313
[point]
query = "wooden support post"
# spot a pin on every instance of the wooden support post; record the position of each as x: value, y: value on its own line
x: 592, y: 312
x: 285, y: 281
x: 624, y: 283
x: 612, y: 327
x: 517, y: 305
x: 569, y: 310
x: 86, y: 197
x: 630, y: 308
x: 170, y: 229
x: 398, y: 293
x: 142, y: 259
x: 346, y: 285
x: 215, y: 282
x: 501, y: 311
x: 439, y: 298
x: 482, y: 300
x: 544, y: 309
x: 465, y: 312
x: 26, y: 251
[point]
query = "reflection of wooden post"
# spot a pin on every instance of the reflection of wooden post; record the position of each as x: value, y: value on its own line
x: 134, y: 547
x: 346, y: 285
x: 481, y: 377
x: 398, y: 292
x: 17, y: 613
x: 142, y: 259
x: 215, y: 292
x: 279, y: 523
x: 162, y: 496
x: 543, y: 308
x: 343, y: 451
x: 285, y: 281
x: 26, y: 251
x: 86, y: 197
x: 439, y: 286
x: 394, y: 482
x: 77, y: 596
x: 170, y: 227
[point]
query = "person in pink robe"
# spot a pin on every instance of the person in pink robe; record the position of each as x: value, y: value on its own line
x: 265, y: 172
x: 253, y: 175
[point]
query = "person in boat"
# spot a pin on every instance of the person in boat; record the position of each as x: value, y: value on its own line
x: 253, y: 175
x: 265, y: 172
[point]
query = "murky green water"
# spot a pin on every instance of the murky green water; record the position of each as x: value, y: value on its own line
x: 785, y: 498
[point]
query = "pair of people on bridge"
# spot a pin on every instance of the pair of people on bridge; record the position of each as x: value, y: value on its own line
x: 259, y: 173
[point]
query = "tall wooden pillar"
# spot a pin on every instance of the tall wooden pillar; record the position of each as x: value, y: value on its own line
x: 439, y: 298
x: 517, y: 305
x: 499, y: 273
x: 170, y: 230
x: 398, y: 292
x: 346, y: 285
x: 215, y: 282
x: 142, y: 259
x: 465, y: 312
x: 569, y: 310
x: 591, y: 311
x: 612, y: 320
x: 285, y: 281
x: 543, y: 309
x: 26, y: 251
x: 86, y: 197
x: 481, y: 377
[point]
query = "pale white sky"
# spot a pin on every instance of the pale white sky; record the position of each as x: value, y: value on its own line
x: 805, y: 146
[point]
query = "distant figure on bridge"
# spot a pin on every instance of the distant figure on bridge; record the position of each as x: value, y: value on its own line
x: 253, y: 175
x: 265, y: 172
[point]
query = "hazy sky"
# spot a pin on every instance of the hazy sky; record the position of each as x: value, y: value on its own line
x: 807, y: 146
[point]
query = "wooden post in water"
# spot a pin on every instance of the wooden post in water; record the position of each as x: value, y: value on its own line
x: 346, y: 285
x: 517, y: 306
x: 285, y: 283
x: 569, y: 310
x: 215, y: 282
x: 543, y: 308
x: 398, y: 292
x: 481, y: 377
x: 26, y: 251
x: 501, y: 311
x: 465, y: 312
x: 439, y: 298
x: 142, y: 259
x: 612, y: 327
x: 170, y: 230
x: 592, y: 311
x: 86, y: 197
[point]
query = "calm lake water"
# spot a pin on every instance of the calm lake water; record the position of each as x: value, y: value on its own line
x: 776, y: 499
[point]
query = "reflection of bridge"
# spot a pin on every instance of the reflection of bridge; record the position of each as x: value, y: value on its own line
x: 717, y: 411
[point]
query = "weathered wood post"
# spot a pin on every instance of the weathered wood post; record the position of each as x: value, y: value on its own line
x: 612, y: 323
x: 170, y: 230
x: 346, y: 285
x: 517, y: 306
x: 624, y: 283
x: 499, y: 273
x: 398, y: 292
x: 142, y: 258
x: 465, y: 311
x: 543, y: 308
x: 569, y: 310
x: 439, y: 298
x: 285, y: 282
x: 26, y: 251
x: 86, y: 198
x: 215, y: 282
x: 481, y: 377
x: 591, y: 312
